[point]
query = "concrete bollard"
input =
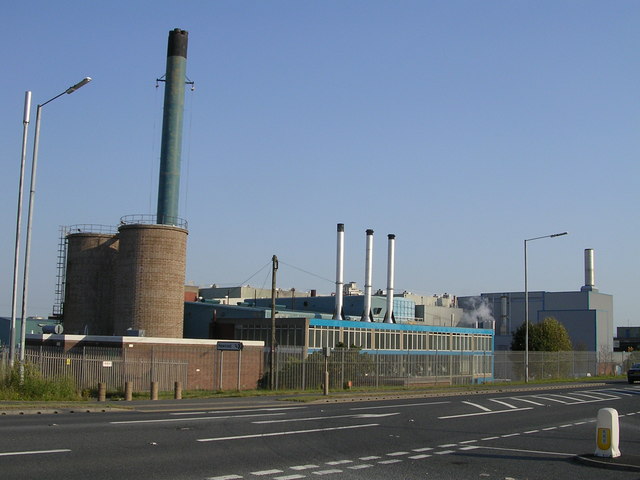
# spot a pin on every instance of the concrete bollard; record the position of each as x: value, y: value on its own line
x: 607, y: 433
x: 128, y: 391
x: 154, y: 390
x: 102, y: 392
x: 177, y: 391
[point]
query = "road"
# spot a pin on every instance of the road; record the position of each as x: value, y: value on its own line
x: 500, y: 435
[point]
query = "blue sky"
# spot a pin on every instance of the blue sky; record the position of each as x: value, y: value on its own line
x: 463, y: 127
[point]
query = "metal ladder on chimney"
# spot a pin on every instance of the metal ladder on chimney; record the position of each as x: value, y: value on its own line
x: 61, y: 270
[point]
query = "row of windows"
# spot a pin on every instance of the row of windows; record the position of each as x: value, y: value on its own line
x: 397, y: 339
x: 321, y: 336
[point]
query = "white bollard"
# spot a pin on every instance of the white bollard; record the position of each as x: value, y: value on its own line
x: 607, y: 433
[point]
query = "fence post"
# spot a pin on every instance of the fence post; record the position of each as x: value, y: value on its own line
x: 239, y: 367
x: 102, y: 392
x: 154, y: 390
x: 128, y: 391
x: 177, y: 391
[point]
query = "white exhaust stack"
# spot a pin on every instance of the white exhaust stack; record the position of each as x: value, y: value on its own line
x: 388, y: 317
x: 366, y: 313
x: 589, y: 271
x: 338, y: 314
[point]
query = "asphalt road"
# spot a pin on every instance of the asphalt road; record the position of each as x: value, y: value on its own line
x: 508, y: 435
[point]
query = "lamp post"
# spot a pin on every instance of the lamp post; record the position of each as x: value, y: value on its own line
x: 16, y: 256
x: 27, y: 249
x: 526, y: 303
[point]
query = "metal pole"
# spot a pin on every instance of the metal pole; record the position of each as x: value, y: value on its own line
x: 274, y: 269
x: 16, y: 258
x: 27, y: 247
x: 27, y: 252
x: 526, y: 318
x: 526, y: 303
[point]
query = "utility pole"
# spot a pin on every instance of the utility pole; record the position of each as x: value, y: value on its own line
x: 274, y: 269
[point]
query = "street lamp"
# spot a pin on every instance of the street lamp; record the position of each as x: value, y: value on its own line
x: 16, y: 255
x: 27, y: 250
x: 526, y: 303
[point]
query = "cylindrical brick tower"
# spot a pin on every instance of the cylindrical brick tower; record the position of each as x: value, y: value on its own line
x: 88, y: 298
x: 149, y: 291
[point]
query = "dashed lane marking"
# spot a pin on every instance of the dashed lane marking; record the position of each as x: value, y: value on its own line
x: 304, y: 467
x: 327, y: 472
x: 290, y: 432
x: 266, y: 472
x: 225, y: 477
x: 419, y: 457
x: 372, y: 457
x: 339, y: 462
x: 388, y: 462
x: 289, y: 477
x: 361, y: 466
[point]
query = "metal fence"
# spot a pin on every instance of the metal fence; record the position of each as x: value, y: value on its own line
x: 352, y: 368
x: 90, y: 365
x: 510, y: 365
x: 299, y: 371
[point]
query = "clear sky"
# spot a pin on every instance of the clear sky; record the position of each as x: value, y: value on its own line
x: 463, y: 127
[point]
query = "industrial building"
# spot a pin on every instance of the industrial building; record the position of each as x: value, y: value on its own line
x: 587, y: 314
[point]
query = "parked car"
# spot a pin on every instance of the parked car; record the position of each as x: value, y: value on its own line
x: 633, y: 373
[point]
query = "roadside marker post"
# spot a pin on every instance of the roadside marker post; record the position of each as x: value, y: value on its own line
x: 607, y: 433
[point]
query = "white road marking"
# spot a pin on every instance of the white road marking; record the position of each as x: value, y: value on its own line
x: 290, y: 432
x: 372, y: 457
x: 304, y: 467
x: 567, y: 425
x: 528, y: 401
x: 561, y: 454
x: 485, y: 413
x: 339, y: 462
x: 443, y: 452
x: 489, y: 438
x: 273, y: 409
x: 471, y: 447
x: 397, y: 454
x: 447, y: 445
x: 549, y: 428
x: 327, y: 472
x: 532, y: 431
x: 502, y: 403
x: 399, y: 405
x: 510, y: 435
x: 289, y: 477
x: 468, y: 441
x: 225, y: 477
x: 388, y: 462
x: 360, y: 467
x: 477, y: 406
x: 34, y: 452
x: 419, y: 457
x: 192, y: 419
x: 266, y: 472
x: 361, y: 415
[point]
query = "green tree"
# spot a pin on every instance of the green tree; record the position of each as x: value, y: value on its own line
x: 547, y: 336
